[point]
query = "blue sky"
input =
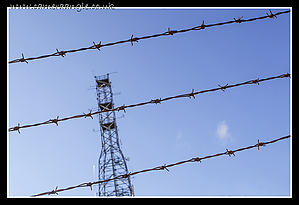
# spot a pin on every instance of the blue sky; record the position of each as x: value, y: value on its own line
x: 47, y: 156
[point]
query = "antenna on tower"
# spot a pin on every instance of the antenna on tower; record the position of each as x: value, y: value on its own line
x: 112, y: 73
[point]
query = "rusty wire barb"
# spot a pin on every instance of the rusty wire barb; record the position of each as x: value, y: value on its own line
x: 89, y: 184
x: 156, y: 101
x: 196, y: 159
x: 163, y: 167
x: 125, y: 175
x: 170, y: 32
x: 88, y: 114
x: 122, y: 108
x: 286, y: 75
x: 97, y: 46
x: 53, y: 191
x: 167, y: 33
x: 256, y: 81
x: 238, y: 20
x: 271, y: 16
x: 260, y: 144
x: 191, y: 94
x: 54, y: 120
x: 230, y: 152
x: 60, y: 53
x: 223, y: 87
x: 22, y: 59
x: 202, y: 26
x: 16, y: 128
x: 133, y: 39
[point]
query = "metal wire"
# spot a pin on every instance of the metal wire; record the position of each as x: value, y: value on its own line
x: 164, y: 167
x: 136, y: 39
x: 156, y: 101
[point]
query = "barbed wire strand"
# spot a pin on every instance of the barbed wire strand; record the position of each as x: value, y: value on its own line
x: 156, y: 101
x: 136, y: 39
x: 164, y: 167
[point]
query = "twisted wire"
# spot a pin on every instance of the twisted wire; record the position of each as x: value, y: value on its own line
x: 165, y: 167
x: 136, y: 39
x: 156, y: 101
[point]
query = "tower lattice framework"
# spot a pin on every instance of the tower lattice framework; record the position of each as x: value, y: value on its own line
x: 112, y: 162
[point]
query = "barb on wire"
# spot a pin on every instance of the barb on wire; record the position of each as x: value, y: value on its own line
x: 54, y: 120
x: 170, y: 32
x: 230, y: 152
x: 97, y: 46
x: 156, y: 101
x: 121, y: 108
x: 22, y: 59
x: 89, y: 184
x: 271, y: 16
x: 125, y: 175
x: 256, y: 81
x: 191, y: 94
x: 202, y: 26
x: 238, y: 20
x: 286, y: 75
x: 194, y: 159
x: 162, y: 167
x: 260, y: 144
x: 167, y: 33
x: 223, y: 87
x: 60, y: 53
x: 87, y: 115
x: 133, y: 39
x: 53, y: 191
x: 16, y: 128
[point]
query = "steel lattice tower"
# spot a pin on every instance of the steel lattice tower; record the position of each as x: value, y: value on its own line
x: 111, y: 161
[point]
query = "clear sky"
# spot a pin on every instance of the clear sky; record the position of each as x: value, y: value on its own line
x: 41, y: 158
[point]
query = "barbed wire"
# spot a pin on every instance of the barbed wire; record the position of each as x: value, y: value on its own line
x: 164, y: 167
x: 156, y: 101
x: 136, y: 39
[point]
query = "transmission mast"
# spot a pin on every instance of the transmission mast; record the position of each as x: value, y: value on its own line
x: 112, y: 162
